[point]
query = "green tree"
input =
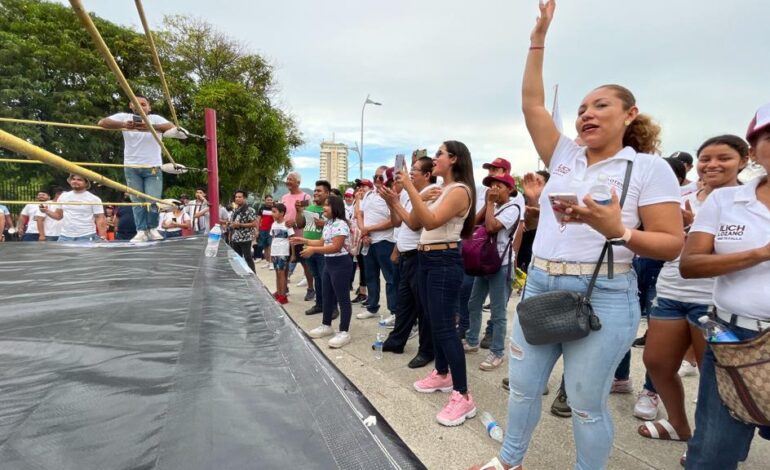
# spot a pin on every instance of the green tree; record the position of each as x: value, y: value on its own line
x: 50, y: 70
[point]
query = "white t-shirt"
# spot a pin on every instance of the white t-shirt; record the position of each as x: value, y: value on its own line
x: 169, y: 216
x: 739, y: 222
x: 140, y: 147
x: 51, y: 226
x: 481, y: 200
x: 671, y: 284
x: 407, y: 238
x: 280, y: 244
x: 652, y: 182
x: 689, y: 188
x: 32, y: 211
x: 336, y: 228
x: 202, y: 222
x: 375, y: 212
x: 78, y: 221
x: 507, y: 214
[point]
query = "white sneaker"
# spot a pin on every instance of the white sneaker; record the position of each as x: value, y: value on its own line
x: 646, y: 406
x: 271, y: 267
x: 340, y: 339
x: 687, y: 369
x: 302, y: 283
x: 390, y: 322
x: 140, y: 237
x: 155, y: 235
x: 321, y: 331
x: 366, y: 314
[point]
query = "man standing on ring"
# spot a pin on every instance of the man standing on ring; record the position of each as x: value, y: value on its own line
x: 141, y: 148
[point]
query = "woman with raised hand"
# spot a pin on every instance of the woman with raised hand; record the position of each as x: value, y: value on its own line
x: 445, y: 221
x: 616, y: 138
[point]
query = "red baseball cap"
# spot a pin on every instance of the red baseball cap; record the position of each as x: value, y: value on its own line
x: 759, y: 123
x: 506, y: 179
x: 498, y: 163
x: 349, y: 192
x: 364, y: 182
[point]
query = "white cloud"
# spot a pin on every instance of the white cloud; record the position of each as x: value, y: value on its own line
x: 305, y: 162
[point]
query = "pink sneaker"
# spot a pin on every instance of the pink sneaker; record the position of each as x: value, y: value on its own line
x: 457, y: 410
x: 434, y: 382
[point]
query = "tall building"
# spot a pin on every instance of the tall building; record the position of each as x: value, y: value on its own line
x: 334, y: 163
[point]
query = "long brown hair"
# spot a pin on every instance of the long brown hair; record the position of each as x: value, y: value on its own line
x: 462, y: 172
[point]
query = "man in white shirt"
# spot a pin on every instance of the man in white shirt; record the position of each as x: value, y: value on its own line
x: 377, y: 229
x: 80, y: 222
x: 199, y: 212
x: 141, y: 148
x: 30, y: 226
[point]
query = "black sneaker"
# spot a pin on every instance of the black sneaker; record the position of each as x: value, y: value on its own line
x: 486, y: 341
x: 506, y: 384
x: 315, y: 309
x: 639, y: 342
x: 559, y: 407
x: 358, y: 298
x: 487, y: 307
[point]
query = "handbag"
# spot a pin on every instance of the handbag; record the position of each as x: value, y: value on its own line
x: 480, y: 255
x: 743, y: 378
x: 562, y: 316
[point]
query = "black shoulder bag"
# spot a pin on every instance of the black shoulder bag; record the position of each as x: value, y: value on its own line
x: 562, y: 316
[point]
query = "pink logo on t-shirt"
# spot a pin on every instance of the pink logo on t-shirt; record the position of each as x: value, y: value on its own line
x: 562, y: 170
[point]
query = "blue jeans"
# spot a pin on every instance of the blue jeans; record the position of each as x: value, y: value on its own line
x: 51, y: 238
x: 499, y: 289
x: 376, y: 260
x: 150, y: 182
x: 466, y: 288
x: 335, y: 289
x: 720, y: 441
x: 30, y: 237
x: 439, y: 277
x: 316, y: 265
x: 670, y: 309
x: 85, y: 238
x: 589, y: 364
x: 647, y: 271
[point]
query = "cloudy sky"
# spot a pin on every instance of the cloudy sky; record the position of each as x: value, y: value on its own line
x: 451, y: 69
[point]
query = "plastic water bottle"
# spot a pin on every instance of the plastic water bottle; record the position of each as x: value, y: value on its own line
x: 600, y: 192
x: 213, y: 245
x: 379, y: 341
x: 493, y: 429
x: 364, y: 249
x: 715, y: 332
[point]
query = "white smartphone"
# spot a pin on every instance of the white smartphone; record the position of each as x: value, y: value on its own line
x: 399, y: 162
x: 570, y: 198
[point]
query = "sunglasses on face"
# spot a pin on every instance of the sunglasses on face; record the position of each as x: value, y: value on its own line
x: 379, y: 178
x: 439, y: 152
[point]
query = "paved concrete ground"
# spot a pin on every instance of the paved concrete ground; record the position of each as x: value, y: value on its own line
x: 387, y: 383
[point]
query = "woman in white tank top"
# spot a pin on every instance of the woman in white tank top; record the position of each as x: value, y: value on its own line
x: 445, y: 221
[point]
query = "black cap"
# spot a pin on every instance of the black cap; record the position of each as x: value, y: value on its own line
x: 683, y: 157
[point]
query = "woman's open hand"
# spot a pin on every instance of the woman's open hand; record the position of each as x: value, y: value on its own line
x: 537, y: 37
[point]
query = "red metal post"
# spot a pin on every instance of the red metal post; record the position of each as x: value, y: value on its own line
x: 211, y: 161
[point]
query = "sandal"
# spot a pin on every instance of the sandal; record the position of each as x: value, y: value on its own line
x: 650, y: 431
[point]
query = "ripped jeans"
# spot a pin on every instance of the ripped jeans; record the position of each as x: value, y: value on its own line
x: 589, y: 366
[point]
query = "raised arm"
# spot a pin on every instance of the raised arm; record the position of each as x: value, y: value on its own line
x: 539, y: 121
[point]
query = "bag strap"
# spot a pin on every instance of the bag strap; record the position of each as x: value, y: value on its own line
x: 607, y: 249
x: 511, y: 236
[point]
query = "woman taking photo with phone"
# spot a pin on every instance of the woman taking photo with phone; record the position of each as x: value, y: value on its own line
x: 445, y: 221
x: 565, y: 256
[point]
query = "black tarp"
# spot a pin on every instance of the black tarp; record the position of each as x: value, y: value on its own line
x: 152, y: 356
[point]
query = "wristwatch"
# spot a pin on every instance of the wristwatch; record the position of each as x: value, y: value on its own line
x: 623, y: 240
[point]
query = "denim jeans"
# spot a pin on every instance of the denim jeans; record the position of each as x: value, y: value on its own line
x: 499, y: 289
x: 85, y: 238
x: 439, y: 279
x: 335, y: 289
x: 376, y: 260
x: 647, y: 271
x: 316, y: 265
x: 150, y: 182
x: 464, y: 321
x: 589, y: 364
x: 720, y: 441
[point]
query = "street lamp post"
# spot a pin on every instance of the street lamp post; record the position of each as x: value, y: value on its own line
x: 361, y: 149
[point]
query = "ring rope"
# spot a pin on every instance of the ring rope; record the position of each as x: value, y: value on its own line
x: 156, y: 61
x: 47, y: 203
x: 57, y: 124
x: 22, y: 147
x: 88, y: 23
x: 109, y: 165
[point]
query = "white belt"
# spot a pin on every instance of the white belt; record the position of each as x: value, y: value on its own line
x: 742, y: 322
x: 570, y: 268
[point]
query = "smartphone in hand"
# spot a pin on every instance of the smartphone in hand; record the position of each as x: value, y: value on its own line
x: 399, y: 163
x: 558, y: 201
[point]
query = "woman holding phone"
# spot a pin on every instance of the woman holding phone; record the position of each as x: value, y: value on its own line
x: 445, y: 221
x: 613, y: 133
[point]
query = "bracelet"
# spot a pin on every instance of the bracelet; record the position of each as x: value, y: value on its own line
x: 532, y: 48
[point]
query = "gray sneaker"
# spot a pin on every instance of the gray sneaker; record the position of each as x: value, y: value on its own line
x: 560, y: 407
x: 310, y: 295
